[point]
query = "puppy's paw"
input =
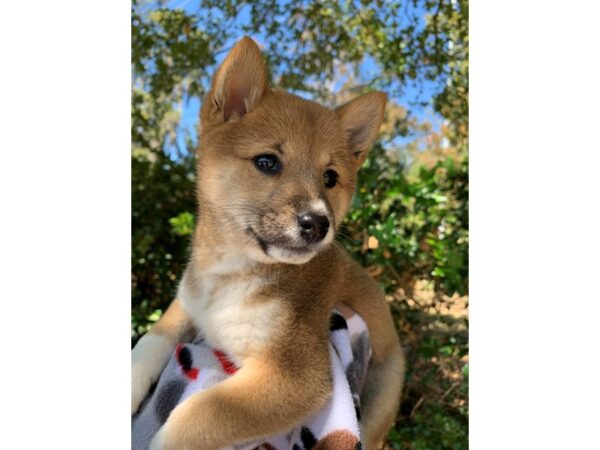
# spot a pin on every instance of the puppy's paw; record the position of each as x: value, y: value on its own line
x: 168, y: 438
x: 159, y: 440
x: 148, y: 358
x: 140, y: 385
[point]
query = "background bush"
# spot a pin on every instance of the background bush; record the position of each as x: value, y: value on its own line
x: 409, y: 221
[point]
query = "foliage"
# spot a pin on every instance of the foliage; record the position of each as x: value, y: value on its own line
x: 412, y: 225
x: 434, y: 410
x: 409, y: 219
x: 163, y: 193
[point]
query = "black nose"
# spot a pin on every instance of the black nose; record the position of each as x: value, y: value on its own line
x: 313, y: 227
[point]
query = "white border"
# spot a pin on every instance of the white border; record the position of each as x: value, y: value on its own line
x: 534, y: 234
x: 65, y: 224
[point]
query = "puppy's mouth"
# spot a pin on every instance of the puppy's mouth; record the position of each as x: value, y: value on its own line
x: 283, y: 249
x: 281, y: 244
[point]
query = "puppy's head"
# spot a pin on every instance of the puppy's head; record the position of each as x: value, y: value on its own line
x: 277, y: 172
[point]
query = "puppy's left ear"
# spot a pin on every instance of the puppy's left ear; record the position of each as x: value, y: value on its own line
x: 361, y: 119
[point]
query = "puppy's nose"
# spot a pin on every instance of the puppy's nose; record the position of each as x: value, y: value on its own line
x: 313, y: 227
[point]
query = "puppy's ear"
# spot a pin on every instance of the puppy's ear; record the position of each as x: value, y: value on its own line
x: 239, y: 84
x: 361, y: 119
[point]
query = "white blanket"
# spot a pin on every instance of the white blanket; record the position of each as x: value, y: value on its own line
x: 195, y: 366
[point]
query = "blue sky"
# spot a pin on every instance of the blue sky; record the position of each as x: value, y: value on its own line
x: 368, y: 70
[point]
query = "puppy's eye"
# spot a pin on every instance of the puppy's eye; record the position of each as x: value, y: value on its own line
x: 268, y: 164
x: 330, y: 178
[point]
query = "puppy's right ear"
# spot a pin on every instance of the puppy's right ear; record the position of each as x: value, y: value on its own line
x: 238, y: 86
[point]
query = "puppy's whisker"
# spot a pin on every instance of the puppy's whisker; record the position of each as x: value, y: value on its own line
x: 239, y: 220
x: 345, y: 236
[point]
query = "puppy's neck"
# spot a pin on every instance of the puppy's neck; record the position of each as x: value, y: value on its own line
x: 216, y: 252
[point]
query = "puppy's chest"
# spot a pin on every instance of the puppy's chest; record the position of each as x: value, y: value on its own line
x: 231, y: 318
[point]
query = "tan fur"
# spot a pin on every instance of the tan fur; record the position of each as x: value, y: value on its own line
x: 174, y: 323
x: 269, y: 308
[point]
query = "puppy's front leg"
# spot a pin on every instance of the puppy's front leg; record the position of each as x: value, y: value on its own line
x: 259, y: 401
x: 152, y: 351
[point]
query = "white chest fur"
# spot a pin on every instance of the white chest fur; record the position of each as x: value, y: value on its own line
x: 224, y: 311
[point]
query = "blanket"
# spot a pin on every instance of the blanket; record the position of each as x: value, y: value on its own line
x: 195, y: 366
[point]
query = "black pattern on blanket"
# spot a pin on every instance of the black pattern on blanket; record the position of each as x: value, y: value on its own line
x: 196, y: 366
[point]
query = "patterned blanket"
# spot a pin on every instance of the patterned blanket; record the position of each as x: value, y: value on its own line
x: 195, y: 366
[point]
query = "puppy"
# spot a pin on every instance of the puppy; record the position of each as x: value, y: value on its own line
x: 276, y: 174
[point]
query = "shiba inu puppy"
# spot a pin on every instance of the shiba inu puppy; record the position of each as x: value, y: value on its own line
x: 276, y: 174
